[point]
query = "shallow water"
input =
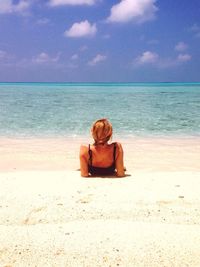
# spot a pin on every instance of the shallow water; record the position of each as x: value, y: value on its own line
x: 61, y: 109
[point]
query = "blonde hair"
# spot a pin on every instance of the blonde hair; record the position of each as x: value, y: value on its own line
x: 101, y: 131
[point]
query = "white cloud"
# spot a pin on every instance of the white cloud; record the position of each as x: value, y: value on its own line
x: 81, y: 29
x: 71, y: 2
x: 153, y: 59
x: 8, y: 7
x: 133, y: 10
x: 146, y: 58
x: 43, y: 58
x: 181, y: 46
x: 98, y: 58
x: 195, y: 29
x: 74, y: 57
x: 6, y: 58
x: 165, y: 63
x: 184, y: 57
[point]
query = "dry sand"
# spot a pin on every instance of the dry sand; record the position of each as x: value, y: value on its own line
x: 50, y: 216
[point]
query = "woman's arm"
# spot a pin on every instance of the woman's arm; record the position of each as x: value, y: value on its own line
x: 83, y: 156
x: 120, y: 161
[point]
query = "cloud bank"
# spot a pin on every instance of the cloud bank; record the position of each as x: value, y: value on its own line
x: 152, y: 58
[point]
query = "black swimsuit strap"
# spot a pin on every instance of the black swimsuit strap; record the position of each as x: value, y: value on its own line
x: 114, y: 152
x: 90, y: 155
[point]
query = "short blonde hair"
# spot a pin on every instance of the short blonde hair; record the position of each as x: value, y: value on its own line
x: 101, y: 131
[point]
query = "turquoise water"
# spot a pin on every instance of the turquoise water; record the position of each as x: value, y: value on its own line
x: 56, y: 109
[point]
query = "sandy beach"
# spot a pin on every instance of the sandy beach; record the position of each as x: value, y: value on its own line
x: 50, y: 216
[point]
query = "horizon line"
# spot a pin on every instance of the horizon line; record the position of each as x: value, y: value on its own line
x: 99, y: 82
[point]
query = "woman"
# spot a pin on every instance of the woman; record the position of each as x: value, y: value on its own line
x: 102, y: 158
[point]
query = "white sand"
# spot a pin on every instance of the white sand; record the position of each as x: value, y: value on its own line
x: 52, y: 217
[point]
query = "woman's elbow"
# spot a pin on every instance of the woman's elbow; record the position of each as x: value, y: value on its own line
x: 120, y: 173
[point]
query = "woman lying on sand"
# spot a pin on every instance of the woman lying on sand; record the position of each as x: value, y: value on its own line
x: 102, y: 158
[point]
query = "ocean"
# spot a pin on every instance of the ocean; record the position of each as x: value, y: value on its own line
x: 69, y: 109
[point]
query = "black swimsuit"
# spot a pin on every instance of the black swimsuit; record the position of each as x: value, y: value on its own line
x: 101, y: 171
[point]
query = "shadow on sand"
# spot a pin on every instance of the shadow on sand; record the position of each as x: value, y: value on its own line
x: 107, y: 176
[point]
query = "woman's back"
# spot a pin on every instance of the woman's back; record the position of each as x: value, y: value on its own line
x: 101, y: 158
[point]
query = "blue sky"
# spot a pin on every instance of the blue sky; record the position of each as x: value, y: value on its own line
x: 100, y: 40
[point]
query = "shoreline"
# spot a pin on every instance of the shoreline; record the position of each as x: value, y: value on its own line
x: 115, y: 136
x: 140, y: 154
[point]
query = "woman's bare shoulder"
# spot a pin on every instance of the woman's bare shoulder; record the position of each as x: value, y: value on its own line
x: 83, y: 149
x: 118, y: 145
x: 119, y: 149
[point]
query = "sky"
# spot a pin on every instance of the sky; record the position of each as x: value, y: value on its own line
x: 99, y: 41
